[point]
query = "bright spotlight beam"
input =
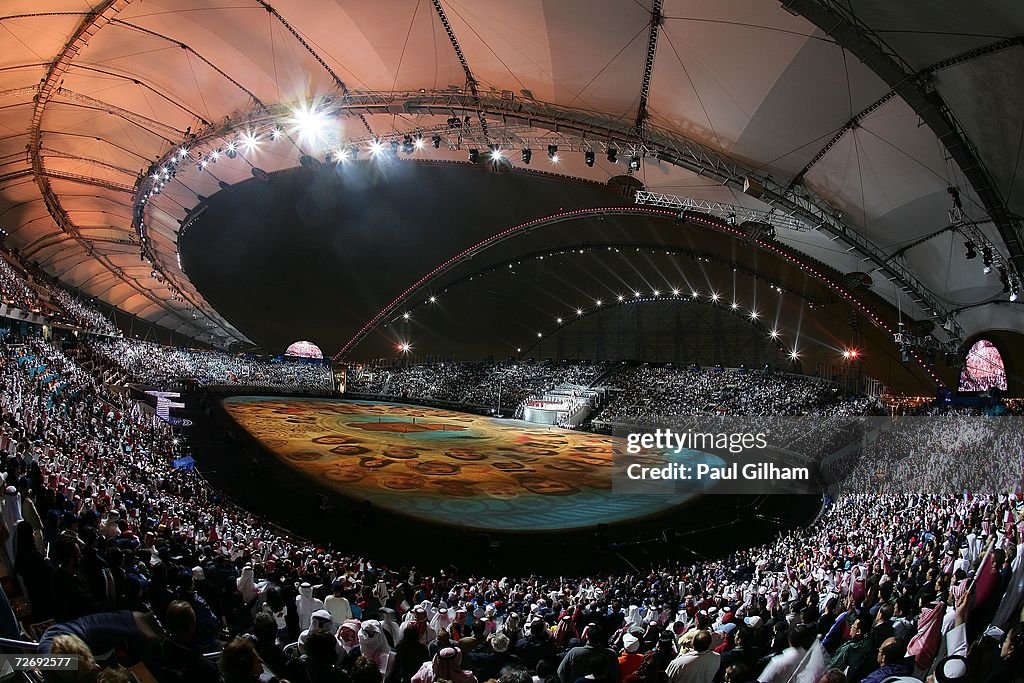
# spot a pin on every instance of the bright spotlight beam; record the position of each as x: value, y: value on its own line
x: 309, y: 124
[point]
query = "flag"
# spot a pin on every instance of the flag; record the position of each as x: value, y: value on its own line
x: 925, y: 644
x: 1008, y: 611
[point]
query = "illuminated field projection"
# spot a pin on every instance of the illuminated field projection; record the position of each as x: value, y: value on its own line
x: 452, y: 468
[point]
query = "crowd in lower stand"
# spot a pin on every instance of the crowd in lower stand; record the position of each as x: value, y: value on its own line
x: 159, y: 365
x: 140, y: 564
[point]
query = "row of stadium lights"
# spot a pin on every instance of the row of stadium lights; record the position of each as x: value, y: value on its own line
x: 850, y: 354
x: 308, y: 127
x: 378, y: 149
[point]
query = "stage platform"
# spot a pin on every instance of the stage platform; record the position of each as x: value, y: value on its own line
x: 455, y: 469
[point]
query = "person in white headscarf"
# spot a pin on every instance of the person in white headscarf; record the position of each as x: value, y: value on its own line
x: 246, y: 585
x: 442, y: 620
x: 389, y: 624
x: 417, y: 621
x: 320, y: 620
x: 305, y: 603
x: 12, y: 515
x: 374, y: 646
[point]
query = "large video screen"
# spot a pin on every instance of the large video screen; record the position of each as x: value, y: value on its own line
x: 983, y: 368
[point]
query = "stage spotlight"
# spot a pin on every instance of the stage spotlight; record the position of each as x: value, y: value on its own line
x: 394, y: 148
x: 419, y: 142
x: 436, y: 141
x: 971, y: 253
x: 407, y: 145
x: 588, y: 157
x: 527, y: 155
x: 495, y: 153
x: 474, y: 156
x: 552, y: 152
x: 634, y: 163
x: 613, y: 155
x: 250, y: 140
x: 310, y: 124
x: 376, y: 148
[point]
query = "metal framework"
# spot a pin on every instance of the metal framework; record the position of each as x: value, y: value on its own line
x: 50, y: 153
x: 657, y: 19
x: 726, y: 212
x: 152, y: 125
x: 840, y: 24
x: 471, y: 81
x: 47, y: 90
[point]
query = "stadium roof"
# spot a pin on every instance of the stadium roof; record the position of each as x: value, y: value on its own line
x: 855, y: 118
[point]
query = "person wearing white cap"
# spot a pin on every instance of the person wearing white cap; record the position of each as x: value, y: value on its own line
x: 630, y: 659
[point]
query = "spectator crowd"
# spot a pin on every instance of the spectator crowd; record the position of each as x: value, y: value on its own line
x: 158, y: 365
x: 129, y: 562
x: 472, y: 384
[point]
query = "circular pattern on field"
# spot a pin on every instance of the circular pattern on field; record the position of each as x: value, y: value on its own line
x: 453, y: 468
